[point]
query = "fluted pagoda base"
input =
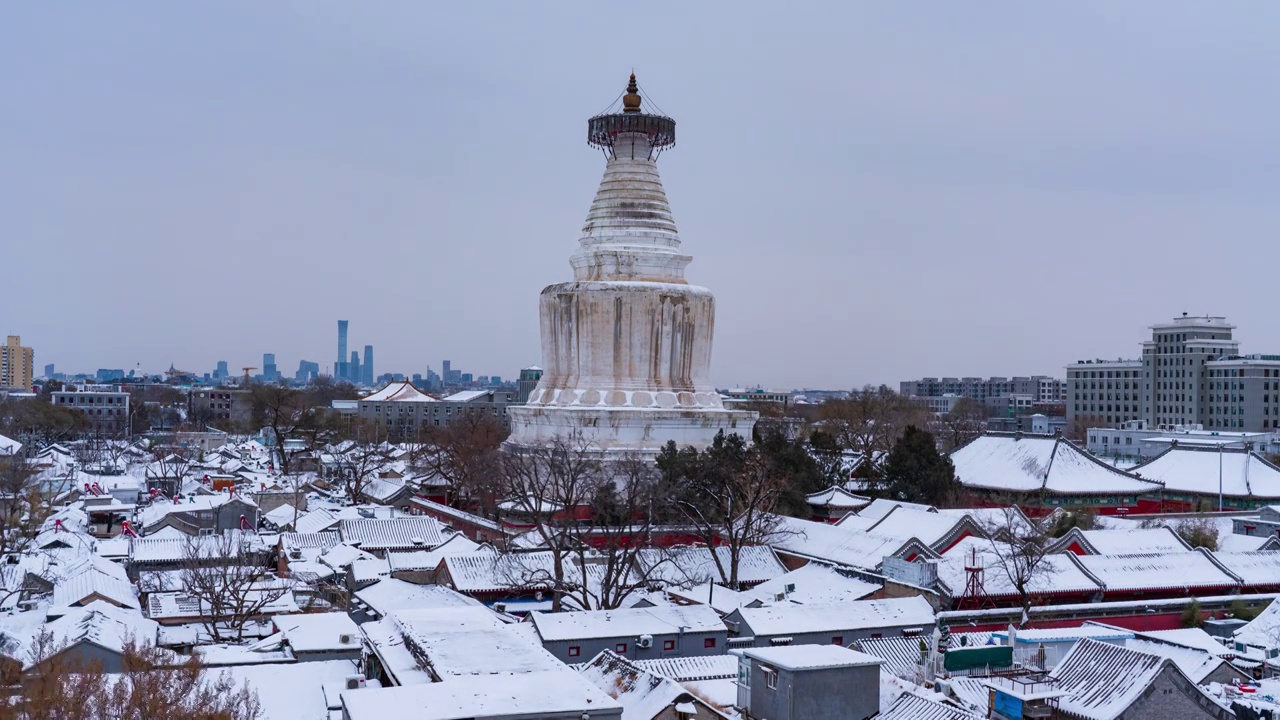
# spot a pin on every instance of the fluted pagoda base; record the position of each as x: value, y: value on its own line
x: 619, y: 431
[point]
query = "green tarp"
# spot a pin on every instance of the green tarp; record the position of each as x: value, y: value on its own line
x: 968, y: 658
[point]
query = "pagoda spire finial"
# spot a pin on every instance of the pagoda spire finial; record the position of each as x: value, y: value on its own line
x: 631, y: 101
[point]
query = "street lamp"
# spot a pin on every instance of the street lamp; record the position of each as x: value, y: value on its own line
x: 1221, y: 445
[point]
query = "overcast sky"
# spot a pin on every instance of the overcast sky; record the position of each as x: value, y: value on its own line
x: 874, y: 191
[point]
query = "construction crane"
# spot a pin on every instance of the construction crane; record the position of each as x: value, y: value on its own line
x: 246, y: 375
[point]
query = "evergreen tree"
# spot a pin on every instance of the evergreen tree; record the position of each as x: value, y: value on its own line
x: 916, y: 472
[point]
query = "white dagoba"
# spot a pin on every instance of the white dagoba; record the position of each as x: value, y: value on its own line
x: 626, y: 346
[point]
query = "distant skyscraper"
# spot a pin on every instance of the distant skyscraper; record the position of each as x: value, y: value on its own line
x: 221, y: 372
x: 269, y: 372
x: 353, y: 370
x: 446, y: 374
x: 341, y: 370
x: 49, y: 371
x: 366, y: 372
x: 307, y: 371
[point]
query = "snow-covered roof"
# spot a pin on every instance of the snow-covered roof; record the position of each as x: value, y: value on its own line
x: 294, y: 691
x: 456, y: 514
x: 996, y: 519
x: 1264, y: 630
x: 172, y: 549
x: 465, y: 396
x: 317, y: 632
x: 1135, y: 540
x: 1151, y: 571
x: 644, y: 695
x: 1102, y: 680
x: 697, y: 667
x: 551, y: 693
x: 1253, y: 568
x: 1195, y: 663
x: 880, y: 507
x: 834, y: 544
x: 1230, y: 542
x: 1024, y: 464
x: 837, y: 498
x: 811, y: 657
x: 282, y: 516
x: 1057, y: 574
x: 98, y: 580
x: 371, y: 569
x: 910, y: 706
x: 458, y: 642
x: 555, y: 627
x: 1195, y: 470
x: 389, y: 595
x: 315, y: 521
x: 814, y: 583
x: 399, y: 391
x: 430, y: 559
x: 393, y: 533
x: 718, y: 597
x: 928, y: 526
x: 793, y: 619
x: 686, y: 565
x: 162, y: 507
x: 104, y: 625
x: 9, y: 446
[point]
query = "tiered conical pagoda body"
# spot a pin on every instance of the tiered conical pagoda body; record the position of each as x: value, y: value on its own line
x: 626, y: 346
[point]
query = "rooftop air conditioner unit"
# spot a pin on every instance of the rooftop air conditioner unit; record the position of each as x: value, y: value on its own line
x: 644, y: 641
x: 500, y: 607
x: 355, y: 682
x: 345, y: 639
x: 779, y: 597
x: 789, y: 588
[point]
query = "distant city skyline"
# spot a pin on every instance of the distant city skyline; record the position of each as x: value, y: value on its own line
x: 873, y: 192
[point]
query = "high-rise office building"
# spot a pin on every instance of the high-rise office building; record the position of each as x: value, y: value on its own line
x: 1190, y: 373
x: 446, y: 373
x: 17, y: 363
x: 366, y: 372
x: 221, y: 372
x: 269, y: 371
x: 49, y: 372
x: 307, y: 371
x: 353, y: 370
x: 341, y: 371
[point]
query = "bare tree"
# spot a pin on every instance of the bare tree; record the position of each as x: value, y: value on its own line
x: 617, y: 530
x: 1199, y: 531
x: 870, y: 421
x: 228, y: 576
x: 1019, y: 549
x: 728, y: 495
x: 154, y: 683
x: 466, y: 454
x: 169, y: 467
x: 1078, y: 429
x: 966, y: 421
x: 358, y: 465
x: 548, y: 487
x: 22, y: 507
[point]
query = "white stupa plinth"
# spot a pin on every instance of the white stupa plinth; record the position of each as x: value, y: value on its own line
x: 626, y: 346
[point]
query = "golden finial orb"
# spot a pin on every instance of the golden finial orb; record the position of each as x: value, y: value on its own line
x: 631, y: 101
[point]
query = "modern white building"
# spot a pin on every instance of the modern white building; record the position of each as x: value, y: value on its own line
x: 106, y: 406
x: 626, y: 345
x: 1137, y: 440
x: 1191, y: 373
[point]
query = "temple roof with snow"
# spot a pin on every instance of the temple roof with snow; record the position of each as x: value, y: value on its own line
x: 1018, y: 463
